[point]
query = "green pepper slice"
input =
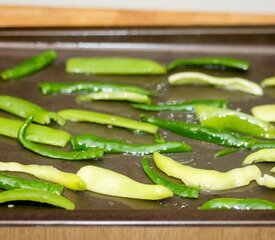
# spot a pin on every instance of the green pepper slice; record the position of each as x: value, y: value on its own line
x: 36, y: 196
x: 30, y: 65
x: 88, y: 141
x: 52, y: 153
x: 237, y: 204
x: 114, y: 65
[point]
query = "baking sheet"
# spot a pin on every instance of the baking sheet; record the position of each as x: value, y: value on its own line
x: 163, y: 45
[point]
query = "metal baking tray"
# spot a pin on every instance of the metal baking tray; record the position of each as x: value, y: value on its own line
x: 256, y: 44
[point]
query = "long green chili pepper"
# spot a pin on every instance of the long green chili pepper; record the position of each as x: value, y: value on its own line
x: 104, y: 181
x: 115, y: 96
x: 235, y: 83
x: 36, y: 196
x: 204, y: 133
x: 35, y: 133
x: 231, y: 120
x: 181, y: 106
x: 88, y: 141
x: 237, y: 204
x: 48, y: 173
x: 178, y: 189
x: 24, y: 109
x: 30, y: 66
x: 224, y: 152
x: 113, y: 65
x: 52, y: 153
x: 87, y: 87
x: 102, y: 118
x: 8, y: 182
x: 210, y: 180
x: 210, y: 62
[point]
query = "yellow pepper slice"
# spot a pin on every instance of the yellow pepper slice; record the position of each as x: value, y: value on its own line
x: 207, y: 179
x: 263, y: 155
x: 264, y: 112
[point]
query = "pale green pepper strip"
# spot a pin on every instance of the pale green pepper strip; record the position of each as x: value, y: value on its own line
x: 48, y: 173
x: 263, y: 155
x: 36, y: 196
x: 101, y: 118
x: 266, y: 180
x: 113, y: 65
x: 115, y: 96
x: 268, y: 82
x: 24, y: 109
x: 35, y: 133
x: 235, y: 121
x: 265, y: 112
x: 235, y: 83
x: 207, y: 179
x: 104, y: 181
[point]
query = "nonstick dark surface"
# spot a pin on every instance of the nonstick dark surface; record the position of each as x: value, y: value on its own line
x: 163, y: 44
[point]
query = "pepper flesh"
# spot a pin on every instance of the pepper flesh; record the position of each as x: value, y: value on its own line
x: 35, y: 133
x: 48, y: 173
x: 266, y: 180
x: 268, y: 82
x: 178, y: 189
x: 181, y: 106
x: 52, y: 153
x: 207, y: 179
x: 115, y: 96
x: 210, y: 62
x: 204, y: 133
x: 101, y: 118
x: 234, y: 121
x: 113, y: 65
x: 88, y: 141
x: 24, y: 109
x: 30, y: 66
x: 86, y: 87
x: 108, y: 182
x: 36, y: 196
x: 237, y: 204
x: 238, y: 84
x: 8, y: 182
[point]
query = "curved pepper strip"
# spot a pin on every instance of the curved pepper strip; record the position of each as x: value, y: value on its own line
x: 264, y: 112
x: 210, y: 62
x: 108, y: 182
x: 204, y: 133
x: 35, y: 133
x: 266, y: 180
x: 178, y: 189
x: 237, y: 204
x: 181, y: 106
x: 36, y: 196
x: 86, y: 87
x: 268, y: 82
x: 115, y: 96
x: 88, y: 141
x: 114, y: 65
x: 8, y: 182
x: 207, y: 179
x: 234, y: 121
x: 238, y: 84
x: 102, y: 118
x: 52, y: 153
x: 263, y: 155
x: 24, y: 109
x: 48, y: 173
x: 30, y: 65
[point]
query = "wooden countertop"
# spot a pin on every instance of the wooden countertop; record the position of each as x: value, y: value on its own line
x: 50, y: 17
